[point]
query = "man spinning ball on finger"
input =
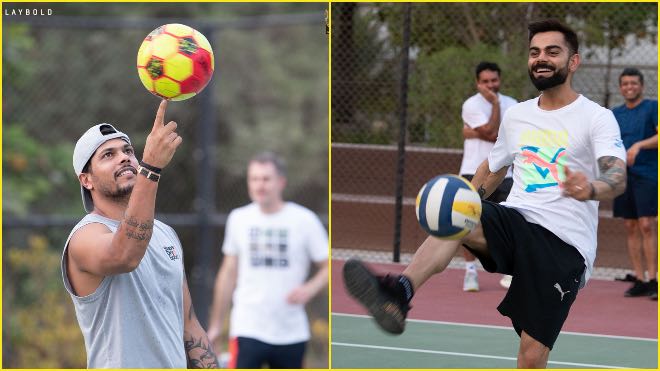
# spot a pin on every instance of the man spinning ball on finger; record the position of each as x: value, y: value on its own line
x: 124, y: 269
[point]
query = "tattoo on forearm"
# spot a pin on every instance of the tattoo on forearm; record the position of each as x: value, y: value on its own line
x: 482, y: 191
x: 612, y: 172
x: 137, y: 230
x: 199, y: 352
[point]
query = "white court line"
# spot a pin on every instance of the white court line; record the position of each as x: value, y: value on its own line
x: 501, y: 327
x: 470, y: 355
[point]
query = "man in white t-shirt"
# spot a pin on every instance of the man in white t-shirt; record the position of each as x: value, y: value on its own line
x: 567, y: 155
x: 482, y: 115
x: 268, y: 248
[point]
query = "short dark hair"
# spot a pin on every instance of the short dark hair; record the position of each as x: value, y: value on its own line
x: 271, y: 157
x: 88, y: 166
x: 490, y: 66
x: 631, y: 71
x: 548, y: 25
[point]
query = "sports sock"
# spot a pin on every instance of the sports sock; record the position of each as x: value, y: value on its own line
x: 407, y: 287
x: 470, y: 266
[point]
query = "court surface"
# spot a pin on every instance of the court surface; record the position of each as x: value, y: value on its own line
x: 448, y: 328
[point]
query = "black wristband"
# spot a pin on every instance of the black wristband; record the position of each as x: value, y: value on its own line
x: 592, y: 195
x: 149, y: 174
x: 150, y: 168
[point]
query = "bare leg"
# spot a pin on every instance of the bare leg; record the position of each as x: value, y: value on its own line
x: 635, y: 247
x: 468, y: 256
x: 649, y: 244
x: 434, y: 254
x: 532, y: 354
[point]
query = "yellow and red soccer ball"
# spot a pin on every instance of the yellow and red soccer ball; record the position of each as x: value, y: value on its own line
x: 175, y: 62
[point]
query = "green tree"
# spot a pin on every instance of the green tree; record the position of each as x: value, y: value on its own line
x: 39, y: 325
x: 449, y: 39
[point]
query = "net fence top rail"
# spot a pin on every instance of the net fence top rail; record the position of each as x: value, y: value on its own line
x: 392, y: 147
x: 254, y: 22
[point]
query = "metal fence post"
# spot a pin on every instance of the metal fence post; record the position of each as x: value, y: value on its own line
x: 403, y: 110
x: 202, y: 290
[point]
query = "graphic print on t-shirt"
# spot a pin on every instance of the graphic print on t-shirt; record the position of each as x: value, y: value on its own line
x: 543, y: 153
x: 269, y: 247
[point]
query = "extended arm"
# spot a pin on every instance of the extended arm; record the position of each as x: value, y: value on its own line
x: 199, y: 350
x: 225, y: 283
x: 485, y: 181
x: 612, y: 179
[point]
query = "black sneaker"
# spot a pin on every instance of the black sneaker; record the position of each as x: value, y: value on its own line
x: 652, y: 286
x: 639, y: 288
x: 378, y: 294
x: 627, y: 278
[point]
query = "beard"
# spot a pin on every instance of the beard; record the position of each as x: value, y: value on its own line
x: 117, y: 193
x: 121, y: 193
x: 544, y: 83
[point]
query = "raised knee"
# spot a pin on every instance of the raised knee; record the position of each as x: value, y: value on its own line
x: 532, y: 353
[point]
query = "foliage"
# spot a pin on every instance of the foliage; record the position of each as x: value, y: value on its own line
x: 39, y: 324
x: 432, y: 82
x: 269, y: 91
x: 365, y: 64
x: 267, y: 80
x: 33, y: 171
x: 446, y: 41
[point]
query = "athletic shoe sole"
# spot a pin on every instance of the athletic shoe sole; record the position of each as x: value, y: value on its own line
x: 364, y: 287
x: 505, y: 282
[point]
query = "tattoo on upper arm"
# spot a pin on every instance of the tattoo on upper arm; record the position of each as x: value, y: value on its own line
x: 138, y: 230
x: 612, y: 172
x: 131, y: 221
x: 199, y: 352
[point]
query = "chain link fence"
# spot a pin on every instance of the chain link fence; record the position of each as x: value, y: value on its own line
x: 69, y: 66
x: 446, y: 42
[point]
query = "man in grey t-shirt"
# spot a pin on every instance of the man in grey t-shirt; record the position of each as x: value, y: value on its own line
x: 124, y: 269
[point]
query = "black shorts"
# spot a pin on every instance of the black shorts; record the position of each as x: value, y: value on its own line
x: 546, y: 271
x: 252, y: 353
x: 639, y: 200
x: 501, y: 192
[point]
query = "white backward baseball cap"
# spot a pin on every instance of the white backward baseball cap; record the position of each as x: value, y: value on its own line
x: 85, y: 148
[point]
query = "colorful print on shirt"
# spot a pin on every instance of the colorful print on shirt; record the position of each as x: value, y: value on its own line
x: 543, y: 158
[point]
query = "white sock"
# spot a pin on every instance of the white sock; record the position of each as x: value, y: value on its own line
x: 470, y: 266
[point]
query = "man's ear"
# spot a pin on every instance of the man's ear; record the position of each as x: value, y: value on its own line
x: 574, y: 62
x: 86, y: 181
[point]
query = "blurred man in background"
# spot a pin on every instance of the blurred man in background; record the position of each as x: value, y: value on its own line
x: 482, y: 114
x: 638, y: 206
x: 268, y: 247
x: 123, y: 268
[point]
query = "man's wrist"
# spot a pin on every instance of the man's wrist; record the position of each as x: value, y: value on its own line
x: 592, y: 195
x: 153, y: 176
x: 150, y: 167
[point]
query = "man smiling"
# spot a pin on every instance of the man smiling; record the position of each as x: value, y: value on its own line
x: 124, y: 269
x: 566, y: 135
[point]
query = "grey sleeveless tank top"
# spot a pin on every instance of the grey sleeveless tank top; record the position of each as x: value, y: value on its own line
x: 135, y: 320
